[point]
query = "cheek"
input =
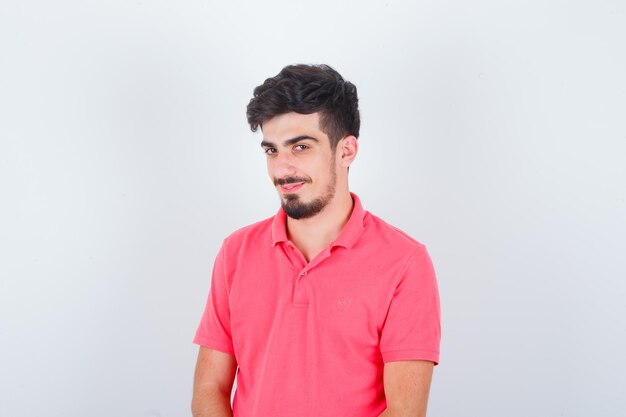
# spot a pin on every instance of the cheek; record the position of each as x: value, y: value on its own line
x: 270, y: 169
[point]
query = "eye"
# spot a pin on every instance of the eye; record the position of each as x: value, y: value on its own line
x: 269, y: 151
x: 301, y: 147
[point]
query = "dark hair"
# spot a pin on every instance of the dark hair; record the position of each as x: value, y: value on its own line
x: 308, y: 89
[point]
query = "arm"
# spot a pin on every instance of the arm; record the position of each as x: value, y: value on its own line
x: 213, y: 383
x: 410, y: 338
x: 407, y: 384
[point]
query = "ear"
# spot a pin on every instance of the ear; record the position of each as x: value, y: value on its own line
x: 347, y: 149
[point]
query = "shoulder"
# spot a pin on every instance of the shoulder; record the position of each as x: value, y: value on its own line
x: 415, y: 266
x: 391, y: 236
x: 252, y: 233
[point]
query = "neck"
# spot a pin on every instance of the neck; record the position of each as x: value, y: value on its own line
x: 313, y: 234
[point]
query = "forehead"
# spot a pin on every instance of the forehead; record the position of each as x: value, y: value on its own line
x: 290, y: 125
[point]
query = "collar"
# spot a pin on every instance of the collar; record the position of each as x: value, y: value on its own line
x: 348, y: 236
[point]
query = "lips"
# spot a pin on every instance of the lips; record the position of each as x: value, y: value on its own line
x: 291, y: 188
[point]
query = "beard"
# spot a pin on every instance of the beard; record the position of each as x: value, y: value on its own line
x: 297, y: 209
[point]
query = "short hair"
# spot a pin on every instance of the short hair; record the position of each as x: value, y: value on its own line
x: 307, y: 89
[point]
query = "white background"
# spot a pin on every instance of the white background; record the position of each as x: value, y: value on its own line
x: 492, y: 131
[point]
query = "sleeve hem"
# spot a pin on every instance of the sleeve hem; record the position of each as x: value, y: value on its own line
x: 410, y: 354
x: 214, y: 344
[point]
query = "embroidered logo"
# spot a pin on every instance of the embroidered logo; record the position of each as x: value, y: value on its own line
x: 343, y: 303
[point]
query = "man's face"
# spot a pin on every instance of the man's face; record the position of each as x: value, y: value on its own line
x: 300, y: 163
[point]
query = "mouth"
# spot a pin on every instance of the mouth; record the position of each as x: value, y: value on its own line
x: 291, y: 188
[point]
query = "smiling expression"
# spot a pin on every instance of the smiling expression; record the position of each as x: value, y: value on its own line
x: 300, y: 163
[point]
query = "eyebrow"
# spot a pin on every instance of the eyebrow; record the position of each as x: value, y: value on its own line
x: 289, y: 141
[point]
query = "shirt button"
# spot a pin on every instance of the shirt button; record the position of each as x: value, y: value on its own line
x: 304, y: 273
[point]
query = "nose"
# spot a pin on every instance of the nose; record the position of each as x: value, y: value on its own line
x: 281, y: 165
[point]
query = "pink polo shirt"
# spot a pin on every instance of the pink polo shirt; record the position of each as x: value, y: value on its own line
x: 311, y: 339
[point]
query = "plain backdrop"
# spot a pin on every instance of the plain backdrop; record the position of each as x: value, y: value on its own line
x: 494, y: 132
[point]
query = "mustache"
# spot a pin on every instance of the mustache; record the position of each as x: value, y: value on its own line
x: 290, y: 180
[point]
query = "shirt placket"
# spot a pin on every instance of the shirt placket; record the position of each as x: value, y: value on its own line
x: 304, y: 272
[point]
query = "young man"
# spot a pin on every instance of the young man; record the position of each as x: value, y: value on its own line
x: 323, y: 309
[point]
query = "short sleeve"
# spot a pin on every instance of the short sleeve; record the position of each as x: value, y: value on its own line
x: 214, y: 329
x: 412, y: 329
